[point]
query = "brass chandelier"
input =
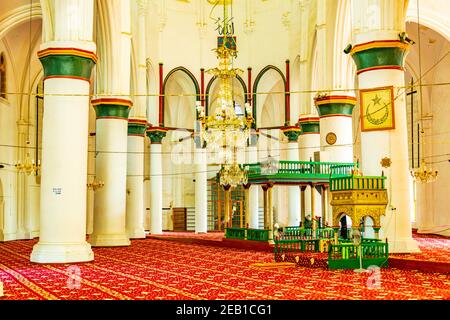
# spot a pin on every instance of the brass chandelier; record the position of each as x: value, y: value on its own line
x: 29, y: 166
x: 424, y: 174
x: 226, y: 129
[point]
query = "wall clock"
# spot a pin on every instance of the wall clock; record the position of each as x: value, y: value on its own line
x: 331, y: 138
x: 377, y: 109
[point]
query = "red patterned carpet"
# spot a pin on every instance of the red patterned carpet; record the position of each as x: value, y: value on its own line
x: 158, y: 269
x: 213, y: 236
x: 434, y: 249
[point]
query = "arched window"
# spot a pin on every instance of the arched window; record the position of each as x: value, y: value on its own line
x: 2, y: 76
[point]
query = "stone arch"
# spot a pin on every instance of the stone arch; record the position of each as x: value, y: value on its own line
x: 185, y: 83
x: 21, y: 15
x: 344, y: 69
x: 257, y: 83
x: 211, y: 85
x: 430, y: 199
x: 430, y: 16
x: 369, y: 226
x: 339, y: 212
x: 295, y: 86
x: 152, y: 88
x: 2, y: 76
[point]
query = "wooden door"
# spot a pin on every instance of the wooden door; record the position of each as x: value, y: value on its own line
x: 179, y: 219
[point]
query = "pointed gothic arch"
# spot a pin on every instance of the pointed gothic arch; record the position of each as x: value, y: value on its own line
x: 210, y: 85
x: 189, y: 79
x: 257, y: 83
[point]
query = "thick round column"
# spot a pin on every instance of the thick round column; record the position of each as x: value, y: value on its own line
x: 156, y: 135
x: 111, y: 168
x: 253, y: 194
x: 380, y: 66
x: 309, y: 143
x: 270, y: 209
x: 201, y: 191
x: 90, y: 191
x: 135, y: 178
x: 266, y: 206
x: 67, y: 72
x: 336, y: 136
x: 294, y: 209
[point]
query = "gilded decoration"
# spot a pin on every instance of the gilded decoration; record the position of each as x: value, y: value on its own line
x: 358, y: 204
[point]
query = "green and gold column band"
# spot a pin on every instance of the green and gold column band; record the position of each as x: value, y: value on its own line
x: 335, y: 106
x: 376, y: 55
x: 69, y: 63
x: 156, y: 134
x: 309, y: 125
x: 112, y: 108
x: 137, y: 127
x: 292, y: 133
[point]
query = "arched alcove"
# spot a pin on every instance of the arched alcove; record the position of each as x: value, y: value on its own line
x: 345, y: 225
x: 428, y: 131
x: 239, y: 93
x: 269, y: 103
x: 181, y: 91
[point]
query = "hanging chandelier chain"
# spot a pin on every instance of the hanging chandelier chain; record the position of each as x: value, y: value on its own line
x: 228, y: 128
x: 422, y: 174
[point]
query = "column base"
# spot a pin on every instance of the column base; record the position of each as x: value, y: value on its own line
x: 445, y: 233
x: 137, y: 234
x: 109, y: 240
x: 155, y: 231
x: 9, y: 236
x: 29, y: 235
x: 407, y: 245
x: 61, y: 252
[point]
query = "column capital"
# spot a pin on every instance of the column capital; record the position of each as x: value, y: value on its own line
x: 267, y: 186
x: 156, y: 134
x: 137, y: 127
x: 246, y: 186
x: 112, y: 108
x: 334, y: 106
x: 142, y: 7
x: 309, y: 125
x: 73, y: 63
x: 380, y: 54
x: 292, y: 133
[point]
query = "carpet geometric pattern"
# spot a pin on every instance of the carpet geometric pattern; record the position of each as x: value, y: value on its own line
x: 157, y: 269
x: 434, y: 249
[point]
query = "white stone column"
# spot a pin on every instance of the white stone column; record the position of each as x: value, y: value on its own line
x: 309, y: 143
x: 90, y: 191
x: 253, y: 193
x: 112, y: 127
x: 137, y: 125
x: 294, y: 210
x: 135, y: 178
x: 111, y: 168
x: 201, y: 191
x: 336, y: 134
x: 67, y: 57
x: 374, y: 72
x: 156, y: 135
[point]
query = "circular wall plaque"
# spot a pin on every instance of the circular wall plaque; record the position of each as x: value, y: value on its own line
x: 331, y: 138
